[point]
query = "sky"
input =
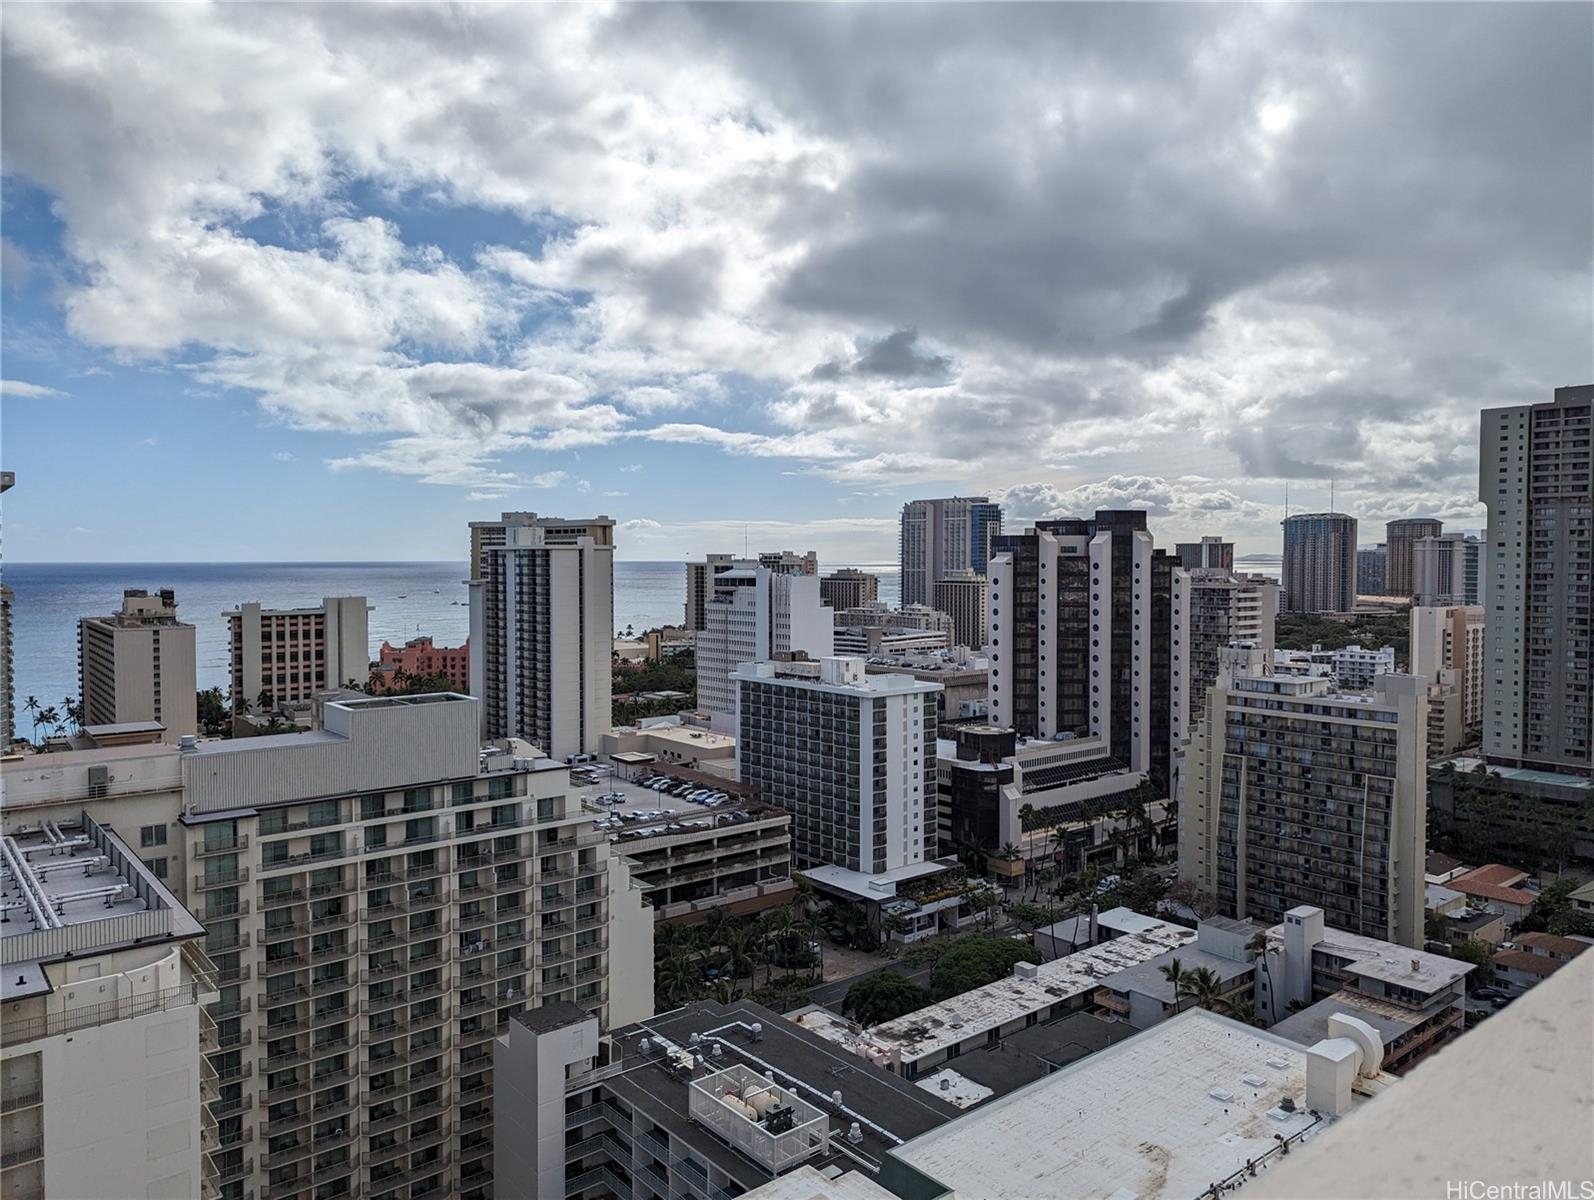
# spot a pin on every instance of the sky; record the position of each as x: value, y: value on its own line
x: 289, y: 282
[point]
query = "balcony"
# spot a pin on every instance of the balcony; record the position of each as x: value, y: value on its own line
x: 281, y: 898
x: 235, y: 1039
x: 284, y: 965
x: 207, y: 883
x: 24, y: 1097
x: 289, y: 995
x: 205, y: 849
x: 327, y: 1172
x: 238, y: 1169
x: 320, y: 987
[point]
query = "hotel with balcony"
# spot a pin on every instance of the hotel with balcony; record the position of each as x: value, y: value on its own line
x: 379, y: 896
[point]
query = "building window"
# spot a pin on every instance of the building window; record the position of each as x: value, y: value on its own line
x: 151, y: 835
x: 157, y: 867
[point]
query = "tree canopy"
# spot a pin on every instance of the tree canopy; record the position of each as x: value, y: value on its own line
x: 883, y: 996
x: 977, y: 960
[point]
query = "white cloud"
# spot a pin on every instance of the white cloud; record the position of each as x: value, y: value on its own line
x: 794, y: 236
x: 283, y: 456
x: 26, y: 391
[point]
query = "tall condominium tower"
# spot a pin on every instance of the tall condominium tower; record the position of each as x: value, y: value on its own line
x: 1534, y: 476
x: 962, y: 596
x: 700, y: 576
x: 1400, y: 537
x: 378, y: 899
x: 291, y: 654
x: 944, y: 535
x: 754, y: 614
x: 850, y: 755
x: 848, y: 588
x: 1372, y: 567
x: 1083, y: 638
x: 1296, y: 794
x: 1319, y: 563
x: 1212, y: 553
x: 542, y: 629
x: 1447, y: 653
x: 1225, y: 610
x: 1448, y: 569
x: 138, y: 665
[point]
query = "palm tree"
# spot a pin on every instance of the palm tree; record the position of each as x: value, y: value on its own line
x: 73, y: 710
x: 31, y: 706
x: 49, y: 718
x: 677, y: 978
x: 1257, y: 948
x: 715, y: 928
x: 1204, y: 987
x: 1175, y: 974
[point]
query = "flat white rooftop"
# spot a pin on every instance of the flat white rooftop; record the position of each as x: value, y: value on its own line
x: 1138, y: 1119
x: 870, y: 887
x: 1387, y: 961
x: 810, y: 1183
x: 936, y: 1027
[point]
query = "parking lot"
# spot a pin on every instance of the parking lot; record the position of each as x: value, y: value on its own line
x: 631, y: 798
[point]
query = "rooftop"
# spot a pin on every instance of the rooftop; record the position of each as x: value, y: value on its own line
x: 1147, y: 979
x: 1168, y: 1112
x: 1528, y: 963
x: 1388, y: 962
x: 949, y: 1022
x: 890, y: 1109
x: 55, y: 877
x: 869, y: 887
x: 1552, y: 944
x: 1497, y: 874
x: 1310, y: 1025
x: 1524, y: 774
x: 1032, y: 1053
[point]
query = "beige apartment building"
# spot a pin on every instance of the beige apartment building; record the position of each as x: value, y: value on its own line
x: 102, y: 1029
x: 1447, y: 653
x: 138, y: 665
x: 290, y: 654
x: 379, y: 896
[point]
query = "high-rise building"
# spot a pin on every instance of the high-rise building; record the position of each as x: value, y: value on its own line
x: 378, y: 899
x: 850, y: 755
x: 700, y: 576
x: 103, y: 1035
x: 8, y: 722
x: 1225, y: 610
x: 1400, y: 537
x: 138, y: 665
x: 754, y: 614
x: 1447, y: 570
x: 944, y: 535
x: 1083, y: 638
x: 1372, y: 563
x: 1536, y: 480
x: 542, y: 629
x: 1447, y: 652
x: 1295, y: 793
x: 1319, y: 563
x: 961, y: 595
x: 848, y: 588
x: 290, y: 654
x: 1210, y: 553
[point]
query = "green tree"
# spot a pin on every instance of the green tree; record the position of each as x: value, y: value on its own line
x: 1481, y: 957
x: 31, y: 707
x: 1257, y: 948
x: 1175, y: 974
x: 883, y: 996
x: 977, y: 960
x: 1552, y: 912
x: 1203, y: 986
x: 212, y: 708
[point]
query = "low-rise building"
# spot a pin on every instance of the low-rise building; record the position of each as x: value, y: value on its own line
x: 671, y: 740
x: 1197, y: 1106
x: 917, y: 1043
x: 1582, y: 899
x: 708, y: 1100
x: 906, y: 904
x: 1496, y: 888
x: 688, y: 863
x: 876, y: 640
x: 102, y: 1074
x: 1144, y: 994
x: 1509, y: 810
x: 1312, y: 974
x: 964, y: 676
x: 1533, y: 957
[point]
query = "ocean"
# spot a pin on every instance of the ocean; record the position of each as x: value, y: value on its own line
x: 409, y: 600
